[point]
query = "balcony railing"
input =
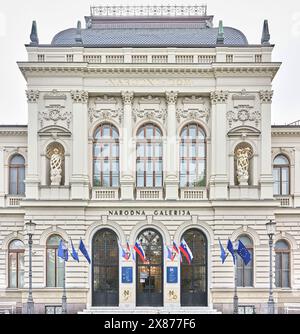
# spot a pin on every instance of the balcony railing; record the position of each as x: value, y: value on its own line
x: 149, y: 194
x: 285, y: 201
x: 105, y: 194
x: 193, y: 194
x: 14, y: 201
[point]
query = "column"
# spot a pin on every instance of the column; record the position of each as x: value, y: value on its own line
x: 32, y: 179
x: 297, y: 178
x: 266, y: 176
x: 127, y: 149
x: 80, y: 179
x: 2, y: 184
x: 218, y: 182
x: 172, y: 158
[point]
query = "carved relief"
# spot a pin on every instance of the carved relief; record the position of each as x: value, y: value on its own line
x: 266, y: 96
x: 32, y: 95
x: 171, y: 97
x: 105, y: 108
x: 79, y: 96
x: 219, y: 96
x: 243, y: 114
x: 193, y: 108
x: 55, y: 114
x: 150, y: 108
x: 127, y: 97
x: 55, y: 153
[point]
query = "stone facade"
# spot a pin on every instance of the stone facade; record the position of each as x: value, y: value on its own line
x: 231, y: 102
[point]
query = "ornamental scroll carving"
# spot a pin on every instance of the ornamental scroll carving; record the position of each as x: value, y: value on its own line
x: 219, y: 96
x: 32, y: 95
x: 193, y: 108
x: 243, y: 114
x: 105, y: 108
x: 150, y: 108
x: 79, y: 96
x: 266, y: 96
x: 55, y: 115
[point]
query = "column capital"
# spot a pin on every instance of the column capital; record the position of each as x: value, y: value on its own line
x: 266, y: 96
x: 32, y: 95
x: 171, y: 97
x: 127, y: 97
x: 79, y: 96
x: 219, y: 96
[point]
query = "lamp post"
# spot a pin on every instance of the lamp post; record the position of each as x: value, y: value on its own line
x: 30, y: 228
x: 64, y: 296
x: 235, y: 297
x: 271, y: 226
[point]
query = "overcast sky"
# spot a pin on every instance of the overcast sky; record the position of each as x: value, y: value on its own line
x: 56, y: 15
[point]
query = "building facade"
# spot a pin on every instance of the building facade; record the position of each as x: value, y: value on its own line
x: 149, y: 124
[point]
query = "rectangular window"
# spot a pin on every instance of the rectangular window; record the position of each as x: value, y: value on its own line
x: 13, y: 270
x: 51, y: 254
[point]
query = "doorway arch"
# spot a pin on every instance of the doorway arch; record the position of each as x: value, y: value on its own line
x: 105, y: 269
x: 194, y: 276
x: 149, y: 274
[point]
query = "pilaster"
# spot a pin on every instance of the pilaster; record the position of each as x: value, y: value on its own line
x: 2, y: 185
x: 172, y: 163
x: 219, y: 175
x: 32, y: 180
x: 80, y: 180
x: 266, y: 177
x: 127, y: 149
x: 297, y: 179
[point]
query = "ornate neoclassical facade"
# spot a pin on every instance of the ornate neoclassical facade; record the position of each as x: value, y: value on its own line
x: 149, y: 124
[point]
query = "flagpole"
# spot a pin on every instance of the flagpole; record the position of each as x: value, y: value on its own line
x: 64, y: 296
x: 235, y: 297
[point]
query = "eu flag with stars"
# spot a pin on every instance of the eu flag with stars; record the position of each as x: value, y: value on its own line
x: 244, y: 253
x: 63, y: 252
x: 74, y: 254
x: 231, y: 249
x: 223, y: 255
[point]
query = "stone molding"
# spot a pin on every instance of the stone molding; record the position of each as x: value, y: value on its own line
x: 150, y: 108
x: 105, y: 108
x: 193, y: 108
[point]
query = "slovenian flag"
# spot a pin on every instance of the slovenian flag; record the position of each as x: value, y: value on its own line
x: 185, y: 250
x: 139, y: 249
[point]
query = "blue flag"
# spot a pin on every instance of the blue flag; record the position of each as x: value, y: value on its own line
x: 223, y: 255
x: 244, y: 253
x: 84, y: 251
x: 63, y: 252
x: 74, y: 254
x: 231, y: 250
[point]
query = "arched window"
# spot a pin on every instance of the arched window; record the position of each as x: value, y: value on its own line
x: 16, y: 251
x: 193, y: 156
x: 282, y: 264
x: 106, y: 156
x: 17, y: 175
x: 245, y: 272
x: 281, y: 174
x: 149, y: 159
x: 54, y: 264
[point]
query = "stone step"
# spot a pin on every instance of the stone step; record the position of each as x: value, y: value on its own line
x: 150, y: 310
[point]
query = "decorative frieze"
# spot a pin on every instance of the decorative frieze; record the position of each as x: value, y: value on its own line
x: 171, y: 97
x: 243, y: 114
x: 55, y: 115
x: 127, y: 97
x: 79, y: 96
x: 150, y: 108
x: 105, y: 108
x: 219, y: 96
x: 266, y: 96
x: 55, y: 95
x: 32, y: 95
x: 193, y: 108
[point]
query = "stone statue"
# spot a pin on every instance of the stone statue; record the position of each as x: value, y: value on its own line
x: 242, y: 157
x: 56, y: 167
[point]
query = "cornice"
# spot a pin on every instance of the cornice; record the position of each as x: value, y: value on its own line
x: 212, y: 70
x: 285, y: 131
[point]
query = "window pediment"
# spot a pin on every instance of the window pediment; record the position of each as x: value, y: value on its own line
x: 244, y: 131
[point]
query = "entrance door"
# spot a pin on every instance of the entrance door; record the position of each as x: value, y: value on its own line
x: 149, y: 275
x: 105, y: 269
x: 194, y: 276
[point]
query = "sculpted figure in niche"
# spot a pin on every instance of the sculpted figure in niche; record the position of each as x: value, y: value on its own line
x: 242, y: 159
x: 56, y: 168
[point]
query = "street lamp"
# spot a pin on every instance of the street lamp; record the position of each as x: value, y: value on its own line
x: 271, y: 227
x: 30, y: 228
x: 235, y: 297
